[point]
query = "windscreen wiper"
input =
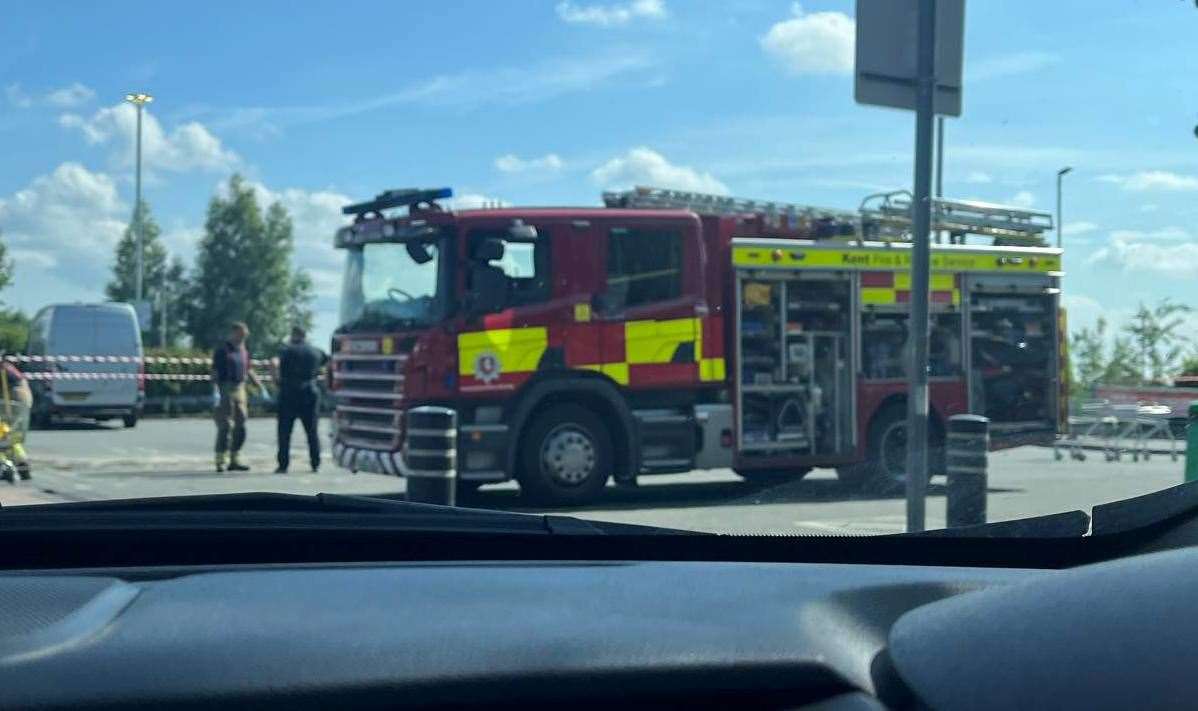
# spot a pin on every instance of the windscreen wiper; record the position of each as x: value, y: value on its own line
x: 271, y: 509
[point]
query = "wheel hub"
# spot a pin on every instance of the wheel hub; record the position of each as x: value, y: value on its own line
x: 568, y: 455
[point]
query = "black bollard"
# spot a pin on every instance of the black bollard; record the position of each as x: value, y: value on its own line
x: 966, y: 456
x: 430, y: 455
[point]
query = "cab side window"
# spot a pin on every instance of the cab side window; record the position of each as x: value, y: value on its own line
x: 644, y: 266
x: 524, y: 264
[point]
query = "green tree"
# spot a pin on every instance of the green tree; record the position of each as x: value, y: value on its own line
x: 163, y: 284
x: 243, y: 272
x: 1157, y: 340
x: 1100, y: 360
x: 6, y: 265
x: 14, y: 325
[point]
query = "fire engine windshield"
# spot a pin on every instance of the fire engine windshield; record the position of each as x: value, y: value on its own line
x: 388, y: 284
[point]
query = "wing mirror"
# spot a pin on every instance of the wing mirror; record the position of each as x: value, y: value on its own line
x: 521, y: 231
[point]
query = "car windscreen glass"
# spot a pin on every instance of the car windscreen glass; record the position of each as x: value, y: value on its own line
x: 383, y: 283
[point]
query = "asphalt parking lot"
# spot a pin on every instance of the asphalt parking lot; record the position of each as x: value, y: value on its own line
x: 173, y: 457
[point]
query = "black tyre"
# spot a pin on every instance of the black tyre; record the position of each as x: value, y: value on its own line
x: 566, y: 456
x: 772, y: 476
x: 130, y: 420
x: 40, y: 419
x: 884, y: 470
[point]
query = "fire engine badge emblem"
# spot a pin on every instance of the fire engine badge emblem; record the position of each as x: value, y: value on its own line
x: 486, y: 367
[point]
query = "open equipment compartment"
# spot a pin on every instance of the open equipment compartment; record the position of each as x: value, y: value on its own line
x: 1013, y: 343
x: 794, y: 374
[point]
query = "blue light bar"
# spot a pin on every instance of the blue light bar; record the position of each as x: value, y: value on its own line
x: 405, y: 197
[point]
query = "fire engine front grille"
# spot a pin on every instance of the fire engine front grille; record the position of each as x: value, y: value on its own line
x: 369, y: 395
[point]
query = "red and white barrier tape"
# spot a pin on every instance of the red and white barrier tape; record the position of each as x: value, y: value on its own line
x: 149, y: 360
x: 116, y: 376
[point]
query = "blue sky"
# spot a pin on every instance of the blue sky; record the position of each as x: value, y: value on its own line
x: 549, y: 102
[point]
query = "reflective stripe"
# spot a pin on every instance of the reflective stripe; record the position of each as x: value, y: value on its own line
x: 711, y: 369
x: 894, y: 258
x: 517, y: 350
x: 878, y: 295
x: 656, y: 341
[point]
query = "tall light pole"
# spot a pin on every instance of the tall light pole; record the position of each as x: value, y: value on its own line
x: 1060, y: 226
x: 139, y: 101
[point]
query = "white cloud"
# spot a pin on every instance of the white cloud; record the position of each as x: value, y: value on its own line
x: 61, y: 229
x: 1009, y: 65
x: 17, y: 96
x: 511, y: 163
x: 36, y: 258
x: 812, y: 42
x: 977, y: 177
x: 1152, y: 180
x: 1078, y: 228
x: 1132, y: 251
x: 1165, y: 234
x: 611, y: 15
x: 467, y: 90
x: 65, y: 97
x: 475, y: 201
x: 189, y: 146
x: 644, y: 166
x: 69, y: 96
x: 1023, y: 198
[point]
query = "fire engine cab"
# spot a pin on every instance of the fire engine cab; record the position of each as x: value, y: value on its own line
x: 672, y: 331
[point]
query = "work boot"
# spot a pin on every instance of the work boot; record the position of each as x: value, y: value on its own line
x: 235, y: 465
x: 220, y: 462
x: 280, y: 470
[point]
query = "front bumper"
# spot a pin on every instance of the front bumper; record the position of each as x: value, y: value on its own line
x: 473, y: 452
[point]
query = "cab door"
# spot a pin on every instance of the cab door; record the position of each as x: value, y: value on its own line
x: 503, y: 344
x: 652, y: 303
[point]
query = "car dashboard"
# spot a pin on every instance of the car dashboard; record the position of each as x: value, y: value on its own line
x: 637, y: 633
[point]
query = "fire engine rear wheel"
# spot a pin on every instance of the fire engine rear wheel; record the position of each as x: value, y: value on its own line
x: 566, y: 456
x: 884, y: 470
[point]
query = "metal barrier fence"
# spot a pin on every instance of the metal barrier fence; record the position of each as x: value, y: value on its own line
x: 1119, y: 429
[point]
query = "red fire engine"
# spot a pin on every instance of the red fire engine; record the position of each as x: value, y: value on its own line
x: 673, y: 331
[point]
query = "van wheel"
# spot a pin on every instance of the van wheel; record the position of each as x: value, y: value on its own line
x: 130, y: 420
x: 41, y: 419
x: 884, y: 470
x: 566, y: 457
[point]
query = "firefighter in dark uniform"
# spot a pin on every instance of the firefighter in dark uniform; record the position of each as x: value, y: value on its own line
x: 299, y: 396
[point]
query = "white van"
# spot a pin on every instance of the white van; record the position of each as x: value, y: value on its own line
x: 88, y: 330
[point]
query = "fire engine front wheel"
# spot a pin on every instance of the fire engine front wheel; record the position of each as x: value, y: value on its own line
x: 566, y: 456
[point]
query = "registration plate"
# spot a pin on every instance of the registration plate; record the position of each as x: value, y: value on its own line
x: 362, y: 346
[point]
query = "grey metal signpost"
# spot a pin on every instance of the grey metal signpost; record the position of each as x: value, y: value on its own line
x: 909, y: 57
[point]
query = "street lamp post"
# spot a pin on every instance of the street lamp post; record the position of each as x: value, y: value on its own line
x: 1060, y: 226
x: 139, y: 101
